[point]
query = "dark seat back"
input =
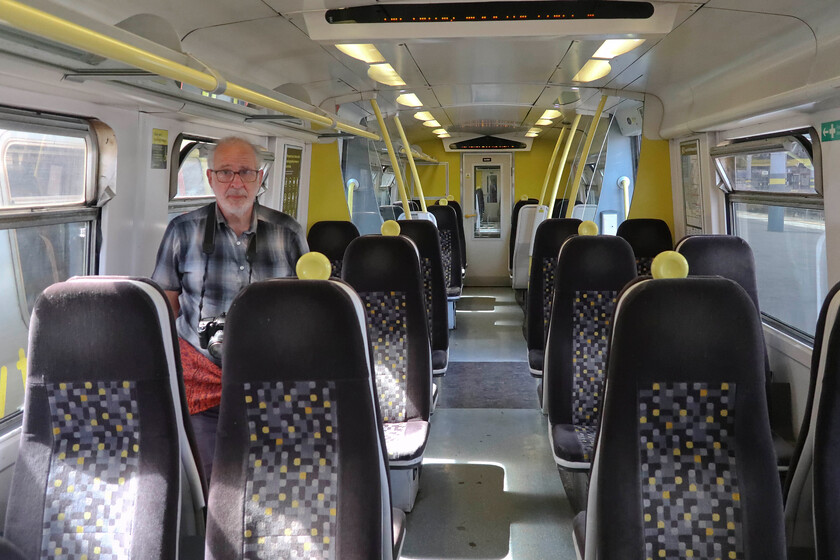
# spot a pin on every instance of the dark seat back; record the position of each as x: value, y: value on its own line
x: 332, y: 238
x: 105, y: 440
x: 591, y: 271
x: 550, y: 236
x: 459, y: 213
x: 300, y: 468
x: 425, y: 236
x: 385, y: 271
x: 684, y: 458
x: 560, y: 206
x: 514, y: 221
x: 648, y: 237
x: 450, y: 246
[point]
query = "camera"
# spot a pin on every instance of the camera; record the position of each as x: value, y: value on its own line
x: 211, y: 333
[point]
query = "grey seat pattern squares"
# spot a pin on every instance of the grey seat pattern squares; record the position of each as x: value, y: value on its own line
x: 426, y: 266
x: 548, y: 266
x: 90, y: 497
x: 592, y: 312
x: 335, y: 265
x: 690, y: 493
x: 446, y: 255
x: 291, y: 494
x: 386, y: 320
x: 643, y: 265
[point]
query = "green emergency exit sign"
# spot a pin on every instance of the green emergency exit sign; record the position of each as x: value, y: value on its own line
x: 830, y: 131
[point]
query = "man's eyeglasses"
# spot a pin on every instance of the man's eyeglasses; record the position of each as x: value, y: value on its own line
x: 226, y: 175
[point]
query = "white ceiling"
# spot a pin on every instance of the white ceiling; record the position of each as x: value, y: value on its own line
x: 718, y: 56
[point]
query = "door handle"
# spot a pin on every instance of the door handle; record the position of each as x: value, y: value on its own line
x: 469, y: 215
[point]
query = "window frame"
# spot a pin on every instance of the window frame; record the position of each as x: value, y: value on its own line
x: 100, y: 171
x: 808, y: 201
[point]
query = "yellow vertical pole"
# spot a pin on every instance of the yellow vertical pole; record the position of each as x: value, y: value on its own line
x: 562, y: 165
x: 393, y: 157
x: 590, y: 136
x: 551, y: 165
x: 411, y: 163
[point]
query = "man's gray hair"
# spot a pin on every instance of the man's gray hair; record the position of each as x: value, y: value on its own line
x: 230, y: 140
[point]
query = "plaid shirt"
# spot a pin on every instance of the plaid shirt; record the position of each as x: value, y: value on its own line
x: 180, y: 262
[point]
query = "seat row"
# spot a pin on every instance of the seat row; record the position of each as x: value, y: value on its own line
x: 313, y: 445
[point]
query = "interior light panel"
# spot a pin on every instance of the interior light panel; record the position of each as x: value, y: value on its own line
x: 364, y: 52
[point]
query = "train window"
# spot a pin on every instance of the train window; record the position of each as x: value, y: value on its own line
x: 47, y: 225
x: 773, y: 187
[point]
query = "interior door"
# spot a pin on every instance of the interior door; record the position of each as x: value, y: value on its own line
x: 486, y: 198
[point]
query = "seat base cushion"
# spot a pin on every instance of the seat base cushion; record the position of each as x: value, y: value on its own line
x: 406, y: 441
x: 535, y: 362
x: 453, y: 293
x: 572, y: 445
x: 440, y: 361
x: 579, y: 533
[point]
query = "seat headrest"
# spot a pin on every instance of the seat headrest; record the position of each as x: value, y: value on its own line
x: 423, y: 233
x: 723, y: 255
x: 331, y: 237
x: 382, y: 263
x: 596, y: 262
x: 647, y: 236
x: 669, y: 326
x: 446, y: 216
x: 99, y: 329
x: 274, y: 327
x: 553, y: 232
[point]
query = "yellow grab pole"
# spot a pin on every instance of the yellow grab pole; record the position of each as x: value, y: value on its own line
x: 393, y: 157
x: 410, y: 156
x: 590, y: 136
x: 551, y: 165
x: 562, y: 165
x: 54, y: 28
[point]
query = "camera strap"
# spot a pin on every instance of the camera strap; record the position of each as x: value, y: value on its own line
x: 208, y: 247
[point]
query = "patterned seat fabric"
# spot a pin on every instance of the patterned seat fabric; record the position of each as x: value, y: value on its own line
x: 684, y: 463
x: 331, y: 238
x: 459, y: 222
x: 301, y: 468
x: 590, y: 273
x: 427, y: 239
x: 648, y: 237
x: 450, y: 247
x: 103, y: 434
x: 386, y: 274
x: 547, y: 242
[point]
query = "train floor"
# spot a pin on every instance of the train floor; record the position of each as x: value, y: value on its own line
x: 489, y: 488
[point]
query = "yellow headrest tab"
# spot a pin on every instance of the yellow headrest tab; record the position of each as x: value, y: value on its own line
x: 669, y: 264
x: 524, y: 197
x: 588, y: 228
x: 313, y: 266
x: 390, y: 227
x: 450, y: 197
x: 443, y: 201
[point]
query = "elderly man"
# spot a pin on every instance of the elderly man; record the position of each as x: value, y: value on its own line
x: 206, y: 257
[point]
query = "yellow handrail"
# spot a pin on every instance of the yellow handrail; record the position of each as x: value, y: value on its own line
x: 590, y: 136
x: 55, y: 28
x: 551, y: 165
x: 410, y: 153
x: 562, y: 165
x: 393, y: 157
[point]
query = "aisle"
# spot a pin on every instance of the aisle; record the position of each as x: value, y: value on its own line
x: 489, y: 488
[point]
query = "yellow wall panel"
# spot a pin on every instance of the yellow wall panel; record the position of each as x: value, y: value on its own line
x: 326, y: 186
x: 652, y: 196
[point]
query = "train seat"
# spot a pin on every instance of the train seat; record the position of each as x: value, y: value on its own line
x: 800, y: 485
x: 331, y: 238
x: 462, y: 240
x: 731, y: 257
x: 550, y: 236
x: 684, y: 464
x: 300, y: 468
x: 591, y: 271
x: 529, y: 218
x: 560, y: 207
x: 425, y: 236
x: 648, y: 237
x: 450, y: 248
x: 514, y: 222
x: 107, y: 462
x: 385, y: 271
